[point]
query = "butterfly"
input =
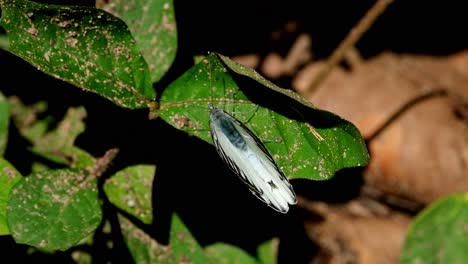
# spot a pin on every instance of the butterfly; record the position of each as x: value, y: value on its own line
x: 246, y: 156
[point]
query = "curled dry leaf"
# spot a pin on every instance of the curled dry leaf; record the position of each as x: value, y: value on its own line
x: 422, y: 152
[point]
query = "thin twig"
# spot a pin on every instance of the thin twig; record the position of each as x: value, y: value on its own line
x: 353, y: 36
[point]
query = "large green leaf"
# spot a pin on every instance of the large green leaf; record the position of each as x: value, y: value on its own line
x: 439, y: 234
x: 4, y: 121
x: 54, y: 209
x: 9, y: 176
x: 306, y: 142
x: 152, y: 23
x: 85, y: 46
x: 130, y: 190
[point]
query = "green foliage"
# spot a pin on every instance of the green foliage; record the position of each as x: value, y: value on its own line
x: 9, y: 176
x: 439, y: 234
x: 54, y: 209
x: 120, y: 59
x: 224, y: 253
x: 144, y: 249
x: 4, y: 121
x: 153, y: 26
x: 130, y: 190
x: 56, y: 144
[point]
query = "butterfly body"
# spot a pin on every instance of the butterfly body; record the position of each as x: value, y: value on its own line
x: 246, y: 155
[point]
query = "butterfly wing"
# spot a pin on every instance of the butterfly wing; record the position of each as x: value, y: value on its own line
x: 250, y: 161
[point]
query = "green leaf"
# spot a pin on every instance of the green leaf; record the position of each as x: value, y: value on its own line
x: 4, y: 121
x: 268, y: 251
x: 130, y: 190
x: 439, y: 234
x: 26, y: 118
x: 55, y: 209
x: 182, y: 247
x: 58, y: 144
x: 4, y: 43
x: 9, y: 176
x: 38, y: 167
x: 184, y: 244
x: 152, y: 23
x: 305, y: 142
x: 84, y: 46
x: 223, y: 253
x: 226, y: 253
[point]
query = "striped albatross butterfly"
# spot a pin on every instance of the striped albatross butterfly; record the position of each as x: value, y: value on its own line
x: 246, y: 156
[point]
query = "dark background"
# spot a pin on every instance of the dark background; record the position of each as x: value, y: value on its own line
x: 232, y: 28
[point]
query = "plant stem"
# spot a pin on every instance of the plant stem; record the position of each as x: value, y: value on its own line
x: 353, y: 36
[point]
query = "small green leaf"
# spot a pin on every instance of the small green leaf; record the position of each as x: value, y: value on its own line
x: 152, y: 23
x: 439, y: 234
x: 305, y: 142
x: 38, y: 167
x: 223, y: 253
x: 9, y: 176
x: 84, y: 46
x: 4, y: 43
x: 4, y: 122
x: 183, y: 244
x: 226, y: 253
x: 54, y: 210
x: 182, y: 247
x: 26, y: 118
x: 130, y: 190
x: 268, y: 251
x: 58, y: 144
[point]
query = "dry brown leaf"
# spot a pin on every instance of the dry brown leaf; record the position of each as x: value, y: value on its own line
x: 423, y: 153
